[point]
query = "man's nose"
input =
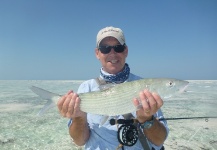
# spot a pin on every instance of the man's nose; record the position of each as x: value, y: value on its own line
x: 113, y: 51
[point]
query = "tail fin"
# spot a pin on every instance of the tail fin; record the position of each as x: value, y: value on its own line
x: 51, y: 97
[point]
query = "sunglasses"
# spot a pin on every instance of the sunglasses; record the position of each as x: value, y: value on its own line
x: 107, y: 49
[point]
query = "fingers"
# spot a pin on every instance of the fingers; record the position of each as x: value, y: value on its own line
x: 151, y: 102
x: 136, y: 103
x: 73, y: 106
x: 70, y: 105
x: 66, y: 104
x: 145, y: 101
x: 77, y: 104
x: 62, y: 100
x: 158, y: 100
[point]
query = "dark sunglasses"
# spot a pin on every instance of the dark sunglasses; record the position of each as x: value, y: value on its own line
x: 107, y: 49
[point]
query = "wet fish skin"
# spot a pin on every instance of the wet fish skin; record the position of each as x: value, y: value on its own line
x: 117, y: 99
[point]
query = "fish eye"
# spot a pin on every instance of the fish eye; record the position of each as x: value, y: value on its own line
x: 170, y: 84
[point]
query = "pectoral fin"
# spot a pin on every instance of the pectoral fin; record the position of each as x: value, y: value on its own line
x: 103, y: 120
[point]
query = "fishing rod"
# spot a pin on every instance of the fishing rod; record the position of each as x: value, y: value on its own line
x: 130, y: 121
x: 128, y: 132
x: 185, y: 118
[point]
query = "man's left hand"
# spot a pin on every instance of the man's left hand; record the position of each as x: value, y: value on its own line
x: 150, y: 104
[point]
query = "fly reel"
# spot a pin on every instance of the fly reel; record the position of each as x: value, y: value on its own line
x: 127, y: 132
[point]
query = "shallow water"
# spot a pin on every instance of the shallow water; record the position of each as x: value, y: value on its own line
x: 200, y: 100
x: 22, y: 129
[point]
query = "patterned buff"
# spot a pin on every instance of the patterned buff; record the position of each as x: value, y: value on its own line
x: 118, y: 78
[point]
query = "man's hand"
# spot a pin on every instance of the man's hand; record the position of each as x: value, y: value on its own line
x: 150, y: 104
x: 69, y: 106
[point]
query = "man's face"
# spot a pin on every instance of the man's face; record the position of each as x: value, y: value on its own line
x: 112, y: 62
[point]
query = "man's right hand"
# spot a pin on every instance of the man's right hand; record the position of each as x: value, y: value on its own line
x: 69, y: 106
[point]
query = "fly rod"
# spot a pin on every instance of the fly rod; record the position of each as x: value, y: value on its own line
x: 185, y: 118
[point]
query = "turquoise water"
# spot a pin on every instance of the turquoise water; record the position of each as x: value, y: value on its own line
x: 22, y: 129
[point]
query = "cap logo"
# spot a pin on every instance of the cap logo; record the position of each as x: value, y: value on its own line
x: 109, y: 31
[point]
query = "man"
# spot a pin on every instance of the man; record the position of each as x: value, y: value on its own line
x: 85, y: 128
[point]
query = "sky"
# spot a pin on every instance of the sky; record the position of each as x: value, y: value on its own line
x: 56, y: 39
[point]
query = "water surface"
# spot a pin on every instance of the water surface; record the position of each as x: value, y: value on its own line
x: 22, y: 129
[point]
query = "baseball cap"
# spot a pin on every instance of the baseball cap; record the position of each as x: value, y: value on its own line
x: 110, y: 31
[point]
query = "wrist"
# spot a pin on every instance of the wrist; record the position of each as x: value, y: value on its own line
x: 82, y: 116
x: 144, y: 119
x: 148, y: 123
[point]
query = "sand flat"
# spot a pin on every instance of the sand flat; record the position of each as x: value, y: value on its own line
x: 14, y: 107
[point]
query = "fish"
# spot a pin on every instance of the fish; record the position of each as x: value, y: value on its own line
x: 117, y: 99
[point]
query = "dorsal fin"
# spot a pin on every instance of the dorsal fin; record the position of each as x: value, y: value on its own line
x: 103, y: 85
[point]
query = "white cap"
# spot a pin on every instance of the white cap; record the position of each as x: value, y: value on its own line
x: 110, y: 31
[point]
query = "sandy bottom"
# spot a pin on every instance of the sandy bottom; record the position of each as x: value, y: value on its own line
x: 22, y: 129
x: 198, y: 134
x: 14, y: 107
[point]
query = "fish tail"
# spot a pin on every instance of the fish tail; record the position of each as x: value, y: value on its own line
x: 44, y: 94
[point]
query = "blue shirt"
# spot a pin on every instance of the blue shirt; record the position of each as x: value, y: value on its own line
x: 105, y: 136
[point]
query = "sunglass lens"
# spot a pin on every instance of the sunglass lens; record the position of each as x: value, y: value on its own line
x: 105, y: 49
x: 119, y: 48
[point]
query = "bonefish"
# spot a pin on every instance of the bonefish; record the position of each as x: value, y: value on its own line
x: 117, y: 99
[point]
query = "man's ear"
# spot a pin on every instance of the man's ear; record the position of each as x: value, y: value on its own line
x: 126, y: 51
x: 97, y: 53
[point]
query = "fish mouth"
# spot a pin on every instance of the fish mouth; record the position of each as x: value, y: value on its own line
x: 185, y: 87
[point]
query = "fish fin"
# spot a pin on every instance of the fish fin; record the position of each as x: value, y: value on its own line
x: 44, y: 94
x: 138, y: 107
x: 107, y: 86
x: 103, y: 85
x: 51, y: 97
x: 47, y: 106
x: 103, y: 120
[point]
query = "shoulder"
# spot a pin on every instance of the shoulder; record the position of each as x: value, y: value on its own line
x: 133, y: 77
x: 87, y: 86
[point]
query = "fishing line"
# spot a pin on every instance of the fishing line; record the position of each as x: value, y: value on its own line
x: 128, y: 134
x: 199, y: 129
x: 194, y: 134
x: 185, y: 118
x: 130, y: 121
